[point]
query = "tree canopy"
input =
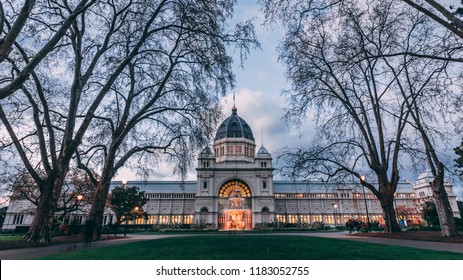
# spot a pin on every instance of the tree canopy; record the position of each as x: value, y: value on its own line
x: 130, y: 81
x: 354, y: 68
x: 127, y: 203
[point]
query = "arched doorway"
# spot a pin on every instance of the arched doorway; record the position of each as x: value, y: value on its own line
x: 203, y: 215
x: 235, y: 206
x: 265, y: 215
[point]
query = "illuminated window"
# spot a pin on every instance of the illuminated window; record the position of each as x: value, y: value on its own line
x: 188, y: 219
x: 292, y: 219
x: 317, y: 218
x: 281, y: 218
x: 329, y: 219
x: 140, y: 221
x: 230, y: 186
x: 177, y: 219
x: 152, y: 220
x: 164, y: 219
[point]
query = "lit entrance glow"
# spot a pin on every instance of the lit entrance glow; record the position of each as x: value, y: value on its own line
x: 235, y: 206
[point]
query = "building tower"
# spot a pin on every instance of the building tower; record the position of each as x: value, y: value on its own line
x: 234, y: 186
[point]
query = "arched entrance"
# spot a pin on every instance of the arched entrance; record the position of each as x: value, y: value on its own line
x: 235, y: 206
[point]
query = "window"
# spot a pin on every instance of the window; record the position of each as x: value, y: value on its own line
x: 293, y: 219
x: 317, y: 218
x: 264, y: 185
x: 164, y: 219
x: 281, y: 218
x: 152, y: 220
x: 176, y: 219
x: 140, y: 221
x: 188, y: 219
x: 205, y: 185
x: 18, y: 219
x: 305, y: 219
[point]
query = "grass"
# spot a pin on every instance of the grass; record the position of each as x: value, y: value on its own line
x: 253, y: 247
x: 10, y: 237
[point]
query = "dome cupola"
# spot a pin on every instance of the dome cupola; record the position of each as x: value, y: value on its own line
x: 234, y: 140
x: 234, y: 127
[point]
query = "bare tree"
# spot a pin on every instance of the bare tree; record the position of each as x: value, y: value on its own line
x: 12, y: 25
x: 76, y: 194
x: 440, y: 14
x: 122, y: 57
x: 335, y: 53
x: 167, y: 102
x: 423, y: 102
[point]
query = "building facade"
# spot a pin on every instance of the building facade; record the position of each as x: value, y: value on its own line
x: 235, y: 190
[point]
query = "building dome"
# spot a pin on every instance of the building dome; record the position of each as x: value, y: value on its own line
x: 262, y: 151
x: 206, y: 152
x: 234, y: 127
x: 425, y: 178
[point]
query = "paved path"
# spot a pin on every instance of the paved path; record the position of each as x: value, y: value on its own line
x: 437, y: 246
x: 31, y: 253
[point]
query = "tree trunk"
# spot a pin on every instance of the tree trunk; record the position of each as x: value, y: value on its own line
x: 98, y: 206
x: 101, y: 194
x: 42, y: 223
x: 40, y: 230
x: 444, y: 210
x: 390, y: 219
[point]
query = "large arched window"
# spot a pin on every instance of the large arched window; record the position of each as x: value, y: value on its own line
x: 232, y: 187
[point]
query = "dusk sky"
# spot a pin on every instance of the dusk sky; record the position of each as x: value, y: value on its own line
x: 258, y: 86
x: 259, y: 83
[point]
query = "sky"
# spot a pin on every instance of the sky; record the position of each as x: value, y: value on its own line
x: 259, y: 82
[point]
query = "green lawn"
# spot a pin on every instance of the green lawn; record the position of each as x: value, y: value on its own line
x: 254, y: 247
x: 10, y: 237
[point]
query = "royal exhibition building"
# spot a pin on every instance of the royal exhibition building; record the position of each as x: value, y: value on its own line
x: 235, y: 190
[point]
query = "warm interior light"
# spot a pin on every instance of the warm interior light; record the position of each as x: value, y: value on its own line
x: 80, y: 197
x: 362, y: 178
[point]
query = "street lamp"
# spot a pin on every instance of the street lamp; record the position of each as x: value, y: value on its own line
x: 362, y: 179
x: 79, y: 197
x: 335, y: 206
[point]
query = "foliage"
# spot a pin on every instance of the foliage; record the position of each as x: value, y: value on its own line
x: 429, y: 213
x: 2, y: 215
x: 404, y: 212
x: 459, y: 223
x: 423, y: 228
x: 460, y: 207
x: 127, y: 203
x: 76, y: 193
x: 459, y: 160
